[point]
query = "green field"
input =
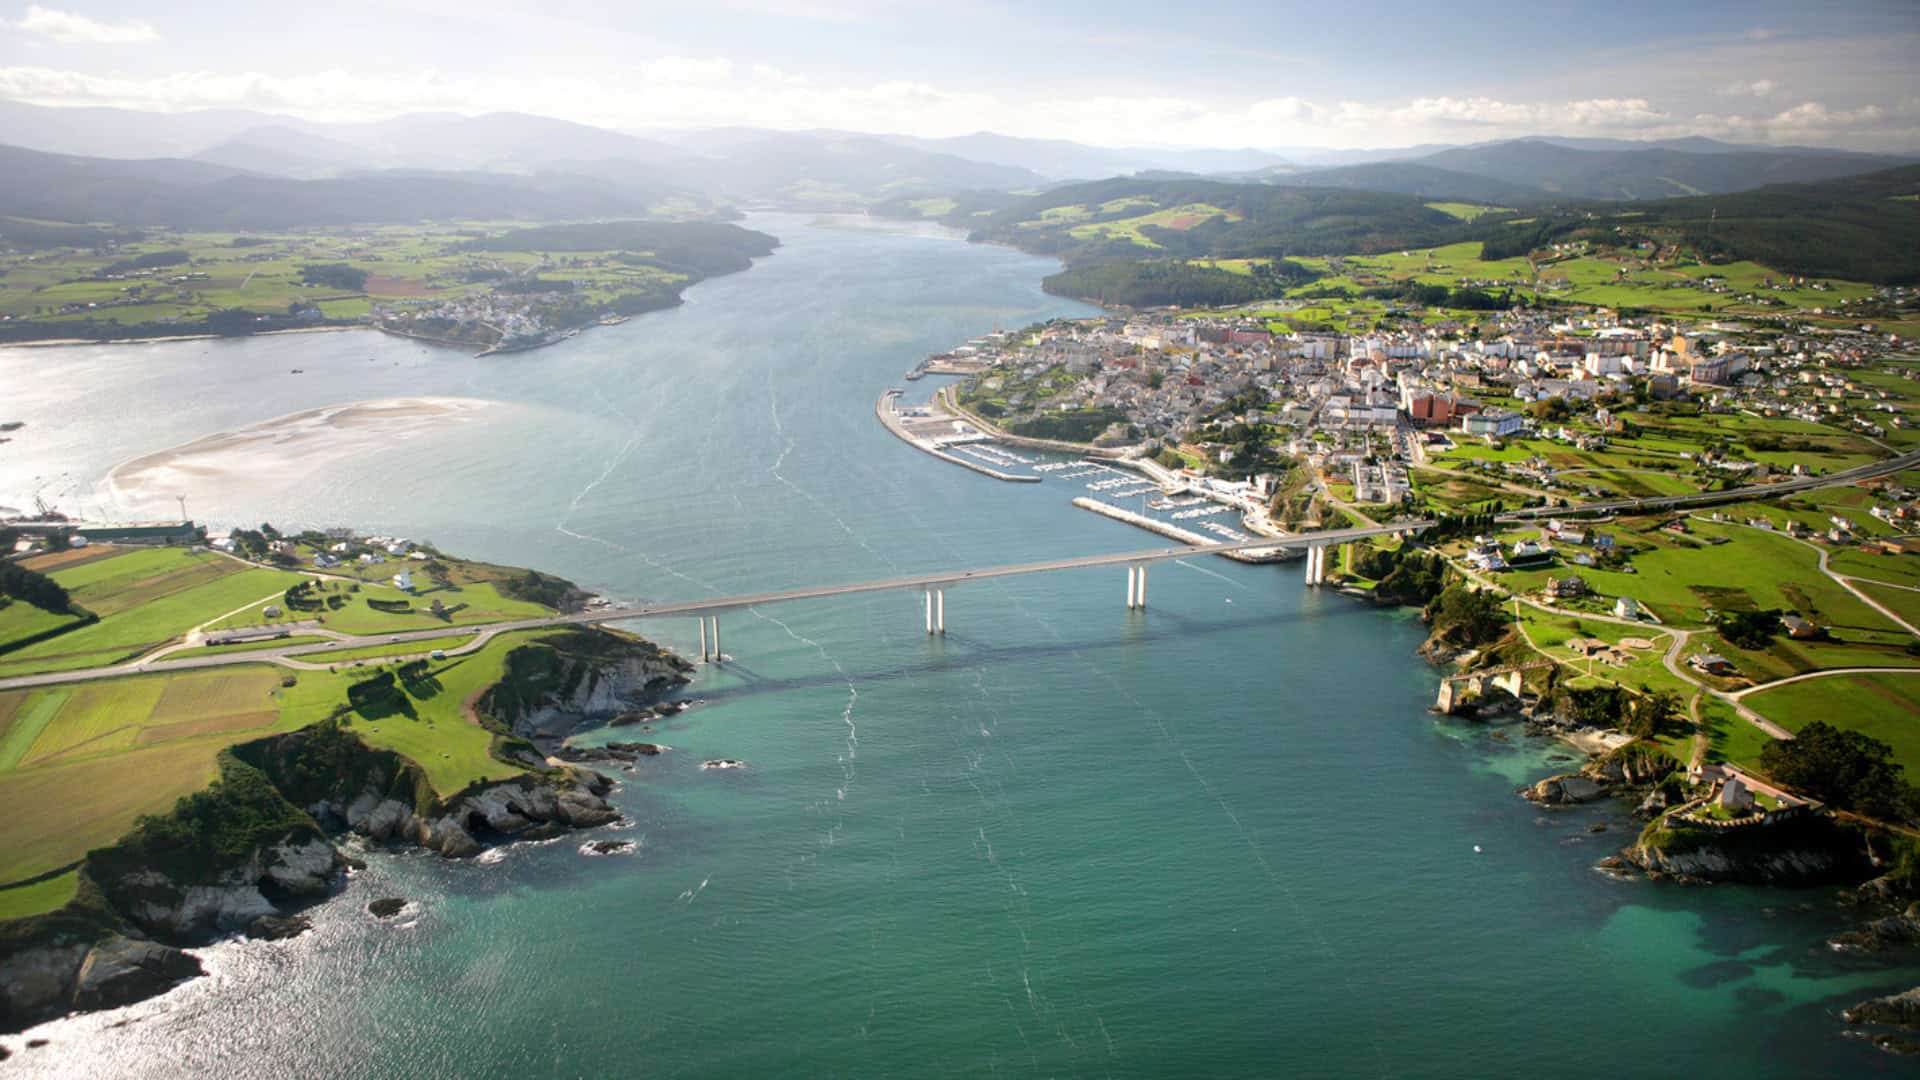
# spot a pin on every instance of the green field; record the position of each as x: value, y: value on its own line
x: 48, y: 895
x: 1884, y: 706
x: 145, y: 597
x: 1468, y: 211
x: 475, y: 602
x: 432, y: 726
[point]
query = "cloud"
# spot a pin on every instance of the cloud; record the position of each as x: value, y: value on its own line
x: 688, y: 92
x: 68, y: 28
x: 1758, y: 88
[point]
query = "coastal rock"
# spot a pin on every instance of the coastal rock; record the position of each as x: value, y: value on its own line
x: 276, y: 928
x: 120, y: 971
x: 1564, y: 790
x: 37, y: 981
x: 386, y: 907
x: 1900, y: 1010
x: 607, y: 847
x: 300, y: 865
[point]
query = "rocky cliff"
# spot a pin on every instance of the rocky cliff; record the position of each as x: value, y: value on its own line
x: 1814, y: 850
x: 554, y: 687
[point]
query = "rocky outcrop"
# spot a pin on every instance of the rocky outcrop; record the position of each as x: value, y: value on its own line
x: 120, y: 971
x: 551, y: 688
x: 1566, y: 789
x: 187, y: 910
x: 1898, y: 1011
x: 73, y: 967
x: 1808, y: 851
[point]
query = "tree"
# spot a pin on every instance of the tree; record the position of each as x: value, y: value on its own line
x: 1846, y: 768
x: 1650, y: 713
x: 33, y: 587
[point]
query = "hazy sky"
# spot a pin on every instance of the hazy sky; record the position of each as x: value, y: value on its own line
x: 1275, y: 74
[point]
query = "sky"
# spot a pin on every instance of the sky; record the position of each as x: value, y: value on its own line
x: 1273, y: 75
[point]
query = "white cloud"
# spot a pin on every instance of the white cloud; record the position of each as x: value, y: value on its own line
x: 1758, y: 88
x: 670, y: 92
x: 68, y: 28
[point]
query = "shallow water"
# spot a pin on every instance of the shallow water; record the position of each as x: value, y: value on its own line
x: 1214, y: 838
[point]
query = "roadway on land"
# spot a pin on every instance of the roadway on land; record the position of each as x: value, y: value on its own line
x: 1908, y: 460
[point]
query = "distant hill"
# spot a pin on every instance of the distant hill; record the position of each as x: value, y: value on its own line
x: 1060, y: 159
x: 1647, y: 173
x: 1207, y: 218
x: 195, y: 194
x: 831, y: 170
x: 1414, y: 178
x: 1861, y: 228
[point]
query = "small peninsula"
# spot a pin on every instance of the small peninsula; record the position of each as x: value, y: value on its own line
x: 343, y: 686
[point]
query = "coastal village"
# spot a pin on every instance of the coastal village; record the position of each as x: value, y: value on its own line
x: 1544, y: 413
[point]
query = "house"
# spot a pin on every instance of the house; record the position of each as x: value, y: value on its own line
x: 1602, y: 543
x: 1712, y: 664
x: 1798, y: 627
x: 1566, y: 588
x: 1495, y: 422
x: 1734, y: 795
x: 369, y: 558
x: 324, y: 560
x: 1528, y: 549
x: 1626, y: 607
x: 1487, y: 557
x: 403, y: 581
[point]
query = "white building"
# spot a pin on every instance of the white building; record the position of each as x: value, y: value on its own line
x: 403, y: 581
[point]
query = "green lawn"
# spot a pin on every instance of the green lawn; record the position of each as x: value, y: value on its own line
x: 1884, y: 706
x: 49, y: 895
x: 20, y: 620
x: 404, y: 648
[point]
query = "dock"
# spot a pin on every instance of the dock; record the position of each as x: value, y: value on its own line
x: 886, y: 410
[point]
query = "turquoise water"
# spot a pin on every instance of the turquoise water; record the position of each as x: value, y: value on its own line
x: 1222, y: 837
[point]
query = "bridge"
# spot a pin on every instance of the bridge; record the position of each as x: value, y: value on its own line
x: 935, y: 585
x: 708, y: 611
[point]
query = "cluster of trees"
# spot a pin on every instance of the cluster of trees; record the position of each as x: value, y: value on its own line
x: 1843, y: 768
x: 343, y: 276
x: 32, y: 587
x: 1747, y: 629
x: 152, y: 260
x: 1451, y: 526
x: 1643, y: 714
x: 539, y: 588
x: 1402, y: 575
x: 1466, y: 617
x: 1440, y: 296
x: 1154, y: 283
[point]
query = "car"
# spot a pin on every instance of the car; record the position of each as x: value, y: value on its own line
x: 395, y: 637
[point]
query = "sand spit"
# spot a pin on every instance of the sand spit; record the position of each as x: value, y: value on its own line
x: 270, y: 455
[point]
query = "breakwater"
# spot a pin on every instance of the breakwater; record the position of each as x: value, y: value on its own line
x: 1174, y: 532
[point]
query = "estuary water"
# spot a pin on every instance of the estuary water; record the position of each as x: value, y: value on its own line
x: 1222, y: 837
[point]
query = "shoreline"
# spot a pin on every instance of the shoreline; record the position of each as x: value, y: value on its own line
x: 61, y: 343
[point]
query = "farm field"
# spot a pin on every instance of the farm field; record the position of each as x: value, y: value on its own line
x: 78, y: 763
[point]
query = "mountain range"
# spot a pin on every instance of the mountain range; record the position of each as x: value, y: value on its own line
x: 242, y: 169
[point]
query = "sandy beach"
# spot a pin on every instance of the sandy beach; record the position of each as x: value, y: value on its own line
x: 270, y: 455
